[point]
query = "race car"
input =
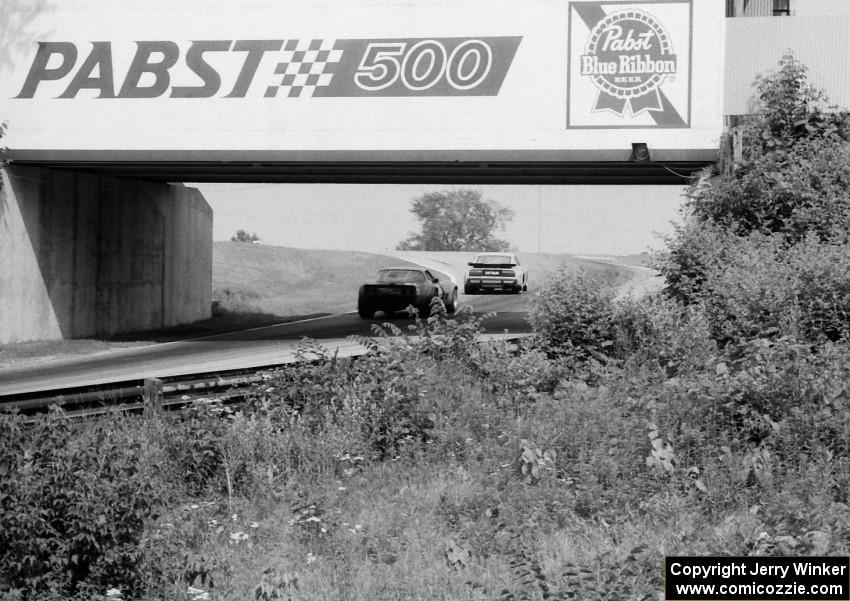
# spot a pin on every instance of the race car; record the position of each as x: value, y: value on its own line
x: 491, y: 272
x: 396, y: 288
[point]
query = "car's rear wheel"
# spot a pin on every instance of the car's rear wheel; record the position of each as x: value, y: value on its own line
x: 451, y: 306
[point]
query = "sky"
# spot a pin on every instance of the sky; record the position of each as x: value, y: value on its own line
x: 597, y: 220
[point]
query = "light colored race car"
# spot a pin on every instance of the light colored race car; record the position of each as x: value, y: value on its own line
x: 494, y: 272
x: 396, y: 288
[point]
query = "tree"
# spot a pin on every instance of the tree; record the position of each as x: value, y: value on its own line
x: 243, y: 236
x: 3, y: 126
x: 458, y: 220
x: 765, y: 245
x: 794, y: 171
x: 792, y: 181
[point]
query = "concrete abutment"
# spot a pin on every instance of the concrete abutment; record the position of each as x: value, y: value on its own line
x: 84, y: 255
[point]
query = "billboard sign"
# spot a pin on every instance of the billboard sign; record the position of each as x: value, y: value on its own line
x: 376, y: 79
x: 630, y: 64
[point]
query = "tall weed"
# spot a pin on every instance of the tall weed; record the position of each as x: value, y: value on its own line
x: 571, y: 314
x: 74, y: 503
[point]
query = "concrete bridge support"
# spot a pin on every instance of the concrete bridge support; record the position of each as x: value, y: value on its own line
x: 83, y: 255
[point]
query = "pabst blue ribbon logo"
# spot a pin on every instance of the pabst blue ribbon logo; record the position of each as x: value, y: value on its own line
x: 629, y: 63
x: 629, y: 55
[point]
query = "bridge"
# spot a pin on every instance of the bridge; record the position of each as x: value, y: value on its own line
x: 111, y: 107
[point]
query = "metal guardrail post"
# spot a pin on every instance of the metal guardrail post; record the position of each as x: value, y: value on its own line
x: 152, y: 396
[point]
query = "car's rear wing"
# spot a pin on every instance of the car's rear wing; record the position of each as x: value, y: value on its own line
x: 492, y: 265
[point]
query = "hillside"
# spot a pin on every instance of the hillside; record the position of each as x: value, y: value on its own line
x: 291, y: 281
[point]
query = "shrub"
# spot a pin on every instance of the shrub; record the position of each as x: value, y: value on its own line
x: 74, y: 500
x: 790, y: 187
x: 192, y: 445
x: 234, y: 300
x: 767, y: 289
x: 3, y: 126
x: 799, y: 191
x: 794, y: 175
x: 572, y: 314
x: 694, y: 247
x: 508, y: 370
x: 761, y: 285
x: 658, y: 332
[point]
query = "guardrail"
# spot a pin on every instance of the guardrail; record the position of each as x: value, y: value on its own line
x: 138, y: 395
x: 149, y: 394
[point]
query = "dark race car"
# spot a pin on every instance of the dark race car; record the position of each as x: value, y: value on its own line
x: 492, y: 272
x: 396, y: 288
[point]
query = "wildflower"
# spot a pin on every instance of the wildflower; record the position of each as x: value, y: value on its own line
x: 198, y: 594
x: 238, y: 537
x: 311, y: 558
x: 234, y: 517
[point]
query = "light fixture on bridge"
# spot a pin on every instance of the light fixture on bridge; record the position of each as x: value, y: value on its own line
x: 640, y: 153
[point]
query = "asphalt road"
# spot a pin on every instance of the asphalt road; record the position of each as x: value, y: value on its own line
x: 256, y: 347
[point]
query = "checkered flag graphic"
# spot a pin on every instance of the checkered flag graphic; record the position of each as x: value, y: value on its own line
x: 303, y: 67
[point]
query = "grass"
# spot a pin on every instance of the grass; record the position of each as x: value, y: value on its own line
x: 453, y: 471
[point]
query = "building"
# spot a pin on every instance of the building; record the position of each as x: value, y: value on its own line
x: 785, y: 8
x: 760, y: 32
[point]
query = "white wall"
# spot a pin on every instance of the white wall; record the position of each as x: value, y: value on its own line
x: 755, y: 45
x: 820, y: 7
